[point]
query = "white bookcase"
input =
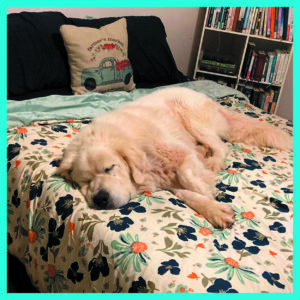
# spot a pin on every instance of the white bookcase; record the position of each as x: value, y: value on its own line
x: 235, y: 44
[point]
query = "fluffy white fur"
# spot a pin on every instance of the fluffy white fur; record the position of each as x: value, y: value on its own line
x: 170, y: 139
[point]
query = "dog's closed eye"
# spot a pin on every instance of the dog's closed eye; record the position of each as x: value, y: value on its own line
x: 107, y: 170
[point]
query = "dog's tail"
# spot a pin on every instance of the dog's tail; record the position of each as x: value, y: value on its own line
x: 251, y: 131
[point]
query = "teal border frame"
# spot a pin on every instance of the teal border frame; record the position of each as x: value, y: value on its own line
x: 4, y: 4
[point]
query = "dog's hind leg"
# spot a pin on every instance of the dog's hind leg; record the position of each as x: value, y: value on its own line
x: 198, y: 192
x: 220, y: 215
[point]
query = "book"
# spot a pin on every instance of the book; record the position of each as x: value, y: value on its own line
x: 254, y: 66
x: 214, y: 17
x: 280, y: 24
x: 276, y: 22
x: 265, y: 21
x: 271, y: 99
x: 274, y: 102
x: 261, y: 97
x: 285, y: 22
x: 247, y: 12
x: 255, y: 96
x: 216, y: 69
x: 225, y: 18
x: 290, y: 25
x: 271, y: 56
x: 269, y: 22
x: 221, y: 16
x: 263, y: 79
x: 272, y: 22
x: 232, y: 18
x: 277, y: 66
x: 267, y: 101
x: 258, y: 21
x: 273, y: 68
x: 254, y: 20
x: 261, y: 26
x: 236, y: 17
x: 261, y: 60
x: 241, y: 87
x: 248, y: 91
x: 247, y: 59
x: 241, y: 19
x: 229, y: 18
x: 210, y: 16
x: 251, y: 64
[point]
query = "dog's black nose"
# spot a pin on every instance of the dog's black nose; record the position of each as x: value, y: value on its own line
x: 101, y: 199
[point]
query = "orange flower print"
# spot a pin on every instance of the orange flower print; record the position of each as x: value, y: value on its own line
x: 70, y: 120
x: 205, y: 231
x: 138, y: 247
x: 249, y: 215
x: 75, y: 129
x: 246, y: 150
x: 71, y: 227
x: 51, y: 271
x: 230, y: 171
x: 68, y: 135
x: 147, y: 194
x: 32, y: 236
x: 22, y: 130
x: 231, y: 262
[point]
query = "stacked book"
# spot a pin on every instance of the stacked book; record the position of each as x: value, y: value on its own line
x: 266, y: 99
x: 265, y: 67
x: 271, y: 22
x: 217, y: 63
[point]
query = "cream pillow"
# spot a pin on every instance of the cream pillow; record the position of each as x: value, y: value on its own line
x: 98, y: 57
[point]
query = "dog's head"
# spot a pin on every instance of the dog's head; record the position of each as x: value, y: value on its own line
x: 106, y: 168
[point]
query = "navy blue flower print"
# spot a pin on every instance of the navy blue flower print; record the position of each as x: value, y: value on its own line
x: 185, y: 233
x: 287, y: 190
x: 55, y: 163
x: 64, y: 206
x: 277, y: 226
x: 44, y: 253
x: 8, y: 166
x: 86, y: 121
x: 259, y: 183
x: 226, y: 187
x: 269, y: 158
x: 59, y: 128
x: 36, y: 189
x: 273, y: 278
x: 98, y: 265
x: 249, y: 164
x: 238, y: 244
x: 171, y: 265
x: 13, y: 150
x: 277, y: 204
x: 15, y: 200
x: 256, y: 237
x: 221, y: 286
x: 138, y: 286
x: 226, y: 104
x: 222, y: 247
x: 55, y: 234
x: 132, y: 206
x: 177, y: 202
x: 41, y: 142
x: 226, y: 198
x: 119, y: 224
x: 73, y: 273
x: 9, y: 239
x: 251, y: 114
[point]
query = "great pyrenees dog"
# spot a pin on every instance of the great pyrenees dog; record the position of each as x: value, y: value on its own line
x: 170, y: 139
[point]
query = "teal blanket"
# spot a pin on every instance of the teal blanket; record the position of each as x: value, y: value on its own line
x: 56, y: 107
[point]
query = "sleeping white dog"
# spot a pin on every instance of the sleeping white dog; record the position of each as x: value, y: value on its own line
x: 171, y: 139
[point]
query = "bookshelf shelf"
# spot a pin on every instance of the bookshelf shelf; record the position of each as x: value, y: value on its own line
x: 218, y: 37
x: 216, y: 74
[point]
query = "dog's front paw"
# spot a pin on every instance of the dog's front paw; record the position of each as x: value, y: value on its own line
x: 220, y: 215
x: 214, y: 164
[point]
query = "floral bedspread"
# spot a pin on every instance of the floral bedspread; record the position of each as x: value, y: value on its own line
x: 155, y: 243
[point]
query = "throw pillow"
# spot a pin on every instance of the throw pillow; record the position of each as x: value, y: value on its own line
x: 98, y: 57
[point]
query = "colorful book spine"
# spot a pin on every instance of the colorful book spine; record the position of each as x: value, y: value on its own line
x: 229, y: 18
x: 261, y: 26
x: 247, y: 12
x: 271, y: 56
x: 269, y: 22
x: 276, y: 22
x: 272, y: 22
x: 290, y: 25
x: 251, y: 64
x: 232, y: 17
x: 254, y: 21
x: 279, y: 30
x: 261, y: 60
x: 267, y: 101
x: 236, y: 17
x: 265, y: 21
x: 272, y: 68
x: 210, y: 16
x: 274, y: 102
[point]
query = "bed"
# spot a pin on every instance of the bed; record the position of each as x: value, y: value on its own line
x: 155, y: 243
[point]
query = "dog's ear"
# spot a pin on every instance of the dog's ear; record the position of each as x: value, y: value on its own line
x: 136, y: 161
x: 70, y: 153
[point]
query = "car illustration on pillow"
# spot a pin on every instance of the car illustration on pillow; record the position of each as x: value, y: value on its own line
x: 109, y: 71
